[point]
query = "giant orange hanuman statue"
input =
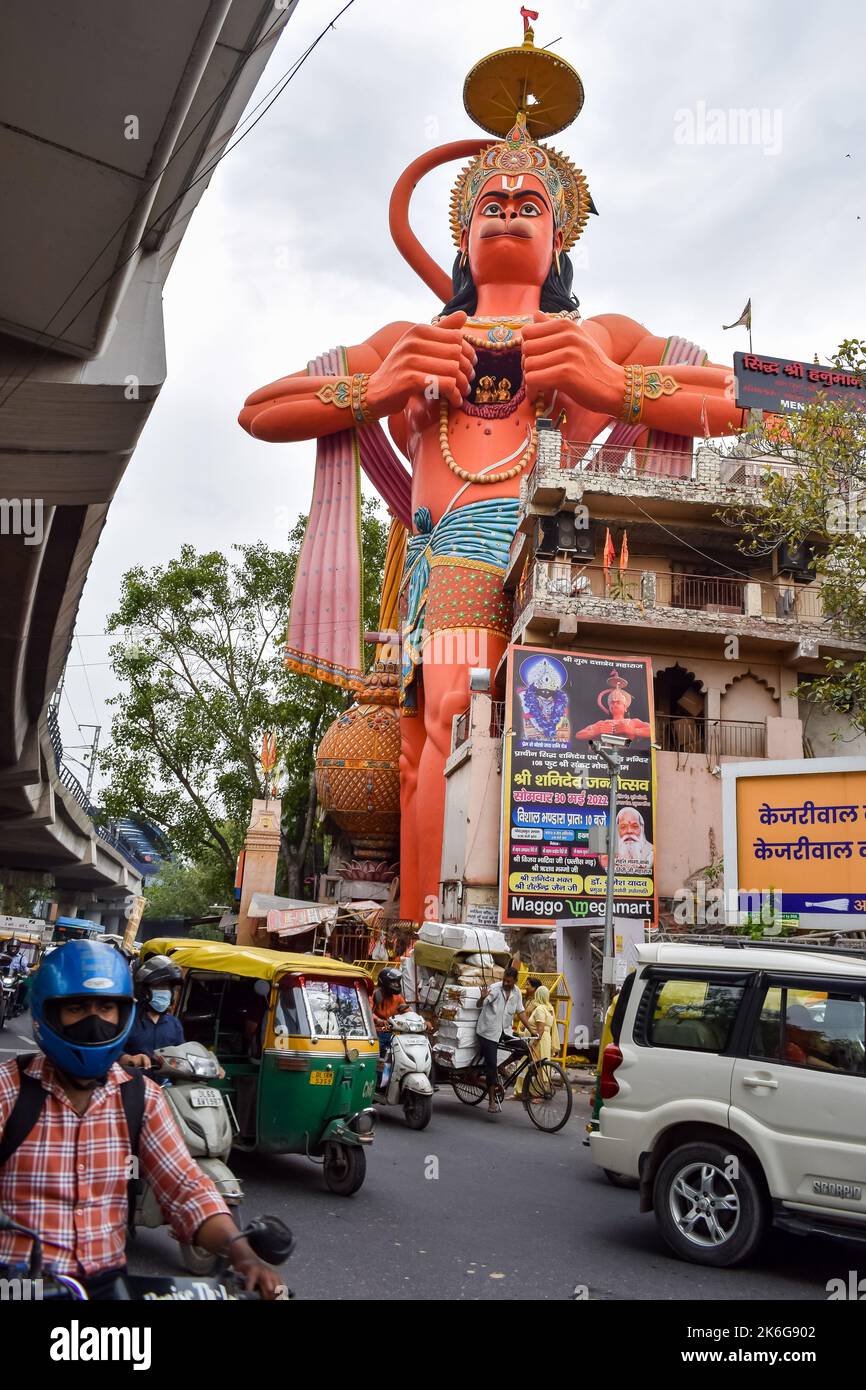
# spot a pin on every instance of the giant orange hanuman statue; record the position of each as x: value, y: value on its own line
x: 462, y: 396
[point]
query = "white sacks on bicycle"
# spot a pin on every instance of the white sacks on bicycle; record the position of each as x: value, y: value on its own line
x: 458, y: 1034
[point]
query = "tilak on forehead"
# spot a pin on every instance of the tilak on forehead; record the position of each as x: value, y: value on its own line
x: 504, y: 166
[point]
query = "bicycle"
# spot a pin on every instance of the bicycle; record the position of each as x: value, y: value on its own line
x: 546, y: 1094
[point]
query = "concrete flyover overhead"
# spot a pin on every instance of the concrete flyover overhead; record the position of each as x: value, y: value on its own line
x: 111, y: 116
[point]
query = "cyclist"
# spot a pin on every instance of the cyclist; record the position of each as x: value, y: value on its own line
x: 500, y: 1004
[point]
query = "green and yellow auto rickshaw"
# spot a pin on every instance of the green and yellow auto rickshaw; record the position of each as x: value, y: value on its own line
x: 295, y: 1036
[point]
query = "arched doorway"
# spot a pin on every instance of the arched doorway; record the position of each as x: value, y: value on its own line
x: 680, y: 708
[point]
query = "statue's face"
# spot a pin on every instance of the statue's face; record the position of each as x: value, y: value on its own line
x: 511, y: 237
x: 617, y: 705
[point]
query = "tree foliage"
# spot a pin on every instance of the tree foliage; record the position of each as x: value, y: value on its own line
x: 819, y: 494
x: 187, y: 890
x: 202, y: 677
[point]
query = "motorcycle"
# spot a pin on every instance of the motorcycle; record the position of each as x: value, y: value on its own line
x: 8, y: 995
x: 404, y: 1074
x: 205, y: 1123
x: 270, y: 1238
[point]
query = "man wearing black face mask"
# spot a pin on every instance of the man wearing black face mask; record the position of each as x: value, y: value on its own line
x: 65, y: 1134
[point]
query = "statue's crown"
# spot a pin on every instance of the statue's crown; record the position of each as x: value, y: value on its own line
x: 547, y: 94
x: 546, y: 677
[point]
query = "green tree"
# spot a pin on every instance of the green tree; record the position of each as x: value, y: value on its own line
x: 187, y: 890
x: 819, y: 494
x: 202, y: 677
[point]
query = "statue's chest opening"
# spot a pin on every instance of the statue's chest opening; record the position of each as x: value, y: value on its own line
x: 498, y: 387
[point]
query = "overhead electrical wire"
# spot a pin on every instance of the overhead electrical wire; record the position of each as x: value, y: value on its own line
x: 87, y: 679
x: 741, y: 574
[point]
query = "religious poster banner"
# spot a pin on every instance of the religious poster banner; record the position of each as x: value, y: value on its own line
x: 784, y: 387
x: 556, y: 788
x: 795, y: 834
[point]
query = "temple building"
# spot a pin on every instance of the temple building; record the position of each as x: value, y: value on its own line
x: 732, y: 638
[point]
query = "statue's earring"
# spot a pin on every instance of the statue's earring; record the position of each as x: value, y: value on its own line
x: 557, y: 262
x: 463, y: 259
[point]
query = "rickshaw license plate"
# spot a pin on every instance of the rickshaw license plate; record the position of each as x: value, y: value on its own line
x: 321, y: 1078
x: 203, y: 1098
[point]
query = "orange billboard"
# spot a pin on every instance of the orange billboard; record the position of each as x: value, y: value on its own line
x: 803, y: 835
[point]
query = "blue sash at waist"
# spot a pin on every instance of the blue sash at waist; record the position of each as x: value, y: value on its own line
x: 481, y: 531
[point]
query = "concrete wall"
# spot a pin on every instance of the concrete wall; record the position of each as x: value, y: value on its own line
x: 688, y: 825
x: 748, y: 698
x: 819, y: 726
x: 473, y: 798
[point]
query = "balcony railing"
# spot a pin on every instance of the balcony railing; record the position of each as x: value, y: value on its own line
x: 735, y: 738
x: 697, y: 593
x: 71, y: 784
x: 463, y: 724
x: 626, y: 463
x: 708, y: 464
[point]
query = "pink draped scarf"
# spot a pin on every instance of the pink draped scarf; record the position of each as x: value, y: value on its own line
x: 325, y: 630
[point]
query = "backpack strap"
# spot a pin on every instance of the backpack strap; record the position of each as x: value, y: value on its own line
x: 27, y: 1109
x: 24, y: 1115
x: 132, y: 1095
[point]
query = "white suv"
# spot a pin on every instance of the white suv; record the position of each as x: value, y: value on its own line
x: 735, y: 1090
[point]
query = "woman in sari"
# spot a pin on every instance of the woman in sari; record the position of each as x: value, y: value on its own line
x: 541, y: 1017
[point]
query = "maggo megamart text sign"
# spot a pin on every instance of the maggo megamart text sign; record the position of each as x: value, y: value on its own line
x: 784, y: 387
x: 556, y: 788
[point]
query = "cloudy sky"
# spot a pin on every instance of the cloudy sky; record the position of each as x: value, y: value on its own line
x: 289, y: 251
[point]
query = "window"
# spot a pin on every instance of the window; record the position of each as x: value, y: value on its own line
x: 697, y: 1015
x: 806, y: 1027
x: 618, y: 1017
x: 224, y: 1012
x: 337, y: 1010
x: 200, y: 1007
x: 290, y: 1010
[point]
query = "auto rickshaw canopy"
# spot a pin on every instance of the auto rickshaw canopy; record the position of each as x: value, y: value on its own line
x: 257, y: 962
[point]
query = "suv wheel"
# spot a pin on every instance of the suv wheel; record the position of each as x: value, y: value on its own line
x: 709, y: 1205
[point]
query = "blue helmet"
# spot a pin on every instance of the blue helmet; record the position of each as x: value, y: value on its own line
x: 81, y: 970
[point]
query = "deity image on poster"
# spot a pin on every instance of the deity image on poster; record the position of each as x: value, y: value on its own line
x: 616, y: 700
x: 544, y: 700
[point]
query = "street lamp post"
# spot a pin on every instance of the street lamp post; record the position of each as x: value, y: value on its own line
x: 610, y: 748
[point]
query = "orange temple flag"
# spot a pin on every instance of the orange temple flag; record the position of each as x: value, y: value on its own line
x: 744, y: 321
x: 268, y: 759
x: 623, y: 553
x: 608, y: 559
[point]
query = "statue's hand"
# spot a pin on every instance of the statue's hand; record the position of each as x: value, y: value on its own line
x: 429, y: 360
x: 559, y: 355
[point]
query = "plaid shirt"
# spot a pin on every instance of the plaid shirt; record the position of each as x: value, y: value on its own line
x: 68, y: 1179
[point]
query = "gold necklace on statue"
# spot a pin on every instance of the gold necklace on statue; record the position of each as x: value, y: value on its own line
x: 489, y: 478
x: 501, y: 330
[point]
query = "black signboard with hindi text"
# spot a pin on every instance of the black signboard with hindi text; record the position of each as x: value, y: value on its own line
x: 556, y: 788
x: 784, y: 387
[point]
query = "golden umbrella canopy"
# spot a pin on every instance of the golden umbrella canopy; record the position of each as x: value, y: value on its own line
x: 526, y: 79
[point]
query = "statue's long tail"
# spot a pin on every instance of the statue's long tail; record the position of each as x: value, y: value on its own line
x: 410, y: 248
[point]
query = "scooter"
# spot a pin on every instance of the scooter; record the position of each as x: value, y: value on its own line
x: 204, y: 1121
x: 404, y: 1073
